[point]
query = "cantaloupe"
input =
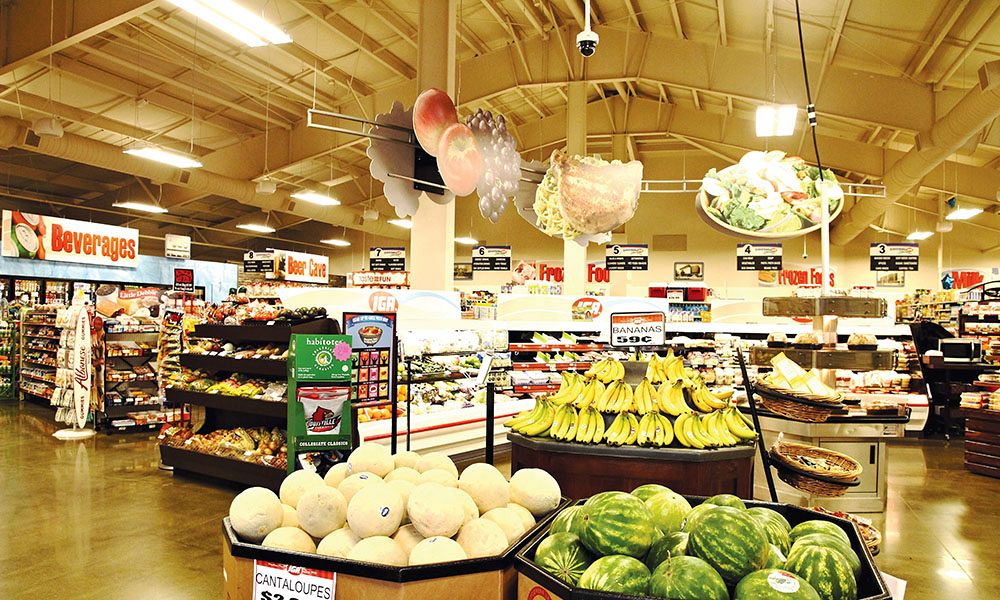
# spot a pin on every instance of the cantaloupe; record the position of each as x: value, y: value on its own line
x: 404, y: 474
x: 296, y: 484
x: 435, y: 510
x: 321, y: 510
x: 535, y: 490
x: 468, y: 505
x: 407, y: 537
x: 404, y: 488
x: 482, y: 537
x: 290, y: 538
x: 254, y: 513
x: 406, y: 458
x: 379, y: 550
x: 436, y: 549
x: 526, y: 517
x: 289, y: 518
x: 436, y: 460
x: 487, y: 486
x: 352, y: 483
x: 509, y: 522
x: 338, y: 543
x: 336, y: 474
x: 441, y: 476
x: 376, y: 510
x: 371, y: 458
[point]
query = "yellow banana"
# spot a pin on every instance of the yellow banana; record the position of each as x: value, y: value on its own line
x: 541, y: 425
x: 698, y: 426
x: 642, y: 436
x: 737, y: 426
x: 599, y: 428
x: 633, y: 428
x: 724, y: 394
x: 668, y: 431
x: 595, y: 368
x: 582, y: 423
x: 605, y: 398
x: 629, y: 395
x: 680, y: 432
x: 614, y: 431
x: 587, y: 396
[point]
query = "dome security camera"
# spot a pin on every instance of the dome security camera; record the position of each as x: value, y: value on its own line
x: 586, y: 42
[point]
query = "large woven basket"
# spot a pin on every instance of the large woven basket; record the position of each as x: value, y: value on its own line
x: 795, y: 411
x: 798, y: 396
x: 811, y: 479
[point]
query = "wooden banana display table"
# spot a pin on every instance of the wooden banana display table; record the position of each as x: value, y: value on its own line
x: 982, y: 441
x: 584, y: 470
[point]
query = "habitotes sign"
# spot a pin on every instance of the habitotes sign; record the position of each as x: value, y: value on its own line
x: 38, y: 237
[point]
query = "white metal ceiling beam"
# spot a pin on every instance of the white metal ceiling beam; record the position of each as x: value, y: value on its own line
x: 59, y: 179
x: 838, y: 30
x: 973, y: 43
x: 675, y: 15
x: 948, y: 16
x: 720, y: 7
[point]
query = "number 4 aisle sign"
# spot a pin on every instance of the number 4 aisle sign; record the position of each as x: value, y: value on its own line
x: 638, y: 329
x: 273, y: 581
x: 903, y: 256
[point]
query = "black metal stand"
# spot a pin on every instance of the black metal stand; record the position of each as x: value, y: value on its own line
x: 765, y: 459
x: 409, y: 378
x: 490, y: 425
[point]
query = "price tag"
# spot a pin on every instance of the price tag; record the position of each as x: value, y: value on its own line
x: 273, y: 581
x: 638, y: 329
x: 758, y: 257
x: 901, y: 256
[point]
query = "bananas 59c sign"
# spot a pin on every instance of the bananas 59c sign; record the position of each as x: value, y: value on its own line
x: 38, y: 237
x: 638, y: 329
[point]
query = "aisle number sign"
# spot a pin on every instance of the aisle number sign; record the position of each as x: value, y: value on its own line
x: 758, y: 257
x: 258, y: 262
x: 275, y: 581
x: 638, y: 329
x: 491, y: 258
x: 177, y: 246
x: 626, y: 257
x: 381, y: 258
x: 901, y: 256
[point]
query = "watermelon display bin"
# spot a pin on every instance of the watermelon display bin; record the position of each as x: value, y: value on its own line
x: 245, y: 566
x: 535, y: 583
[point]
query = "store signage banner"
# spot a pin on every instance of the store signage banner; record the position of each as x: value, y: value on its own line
x: 626, y: 257
x: 373, y: 339
x: 113, y: 301
x: 258, y: 262
x: 491, y: 258
x: 902, y: 256
x: 638, y: 329
x: 758, y: 257
x: 184, y: 280
x: 306, y: 268
x: 960, y: 279
x: 27, y: 235
x: 275, y: 581
x: 177, y: 246
x: 379, y: 279
x: 386, y: 259
x: 319, y: 394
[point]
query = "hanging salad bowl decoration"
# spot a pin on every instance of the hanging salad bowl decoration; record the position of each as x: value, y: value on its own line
x: 768, y: 195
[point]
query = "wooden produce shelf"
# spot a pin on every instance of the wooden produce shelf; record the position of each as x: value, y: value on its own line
x: 982, y: 441
x: 267, y: 408
x: 248, y: 366
x: 245, y: 473
x: 837, y: 306
x: 855, y: 360
x: 265, y: 331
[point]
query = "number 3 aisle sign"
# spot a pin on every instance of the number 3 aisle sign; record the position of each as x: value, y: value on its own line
x: 273, y: 581
x: 638, y: 329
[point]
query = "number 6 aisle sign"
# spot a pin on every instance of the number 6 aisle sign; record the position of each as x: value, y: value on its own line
x: 638, y: 329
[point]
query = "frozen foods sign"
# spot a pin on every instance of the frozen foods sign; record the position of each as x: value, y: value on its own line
x: 38, y: 237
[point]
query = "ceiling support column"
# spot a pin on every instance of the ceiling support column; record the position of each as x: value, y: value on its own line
x: 575, y: 255
x: 432, y: 239
x: 619, y: 279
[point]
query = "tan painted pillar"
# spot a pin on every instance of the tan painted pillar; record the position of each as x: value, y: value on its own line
x: 575, y: 255
x: 619, y: 279
x: 432, y: 240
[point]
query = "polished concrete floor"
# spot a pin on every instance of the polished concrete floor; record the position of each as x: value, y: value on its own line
x: 98, y: 520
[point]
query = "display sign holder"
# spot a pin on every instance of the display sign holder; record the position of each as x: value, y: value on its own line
x: 637, y: 329
x: 375, y: 347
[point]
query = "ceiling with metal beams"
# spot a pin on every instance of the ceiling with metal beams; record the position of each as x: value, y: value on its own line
x: 675, y: 76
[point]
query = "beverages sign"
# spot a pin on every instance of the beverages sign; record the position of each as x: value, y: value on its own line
x: 38, y: 237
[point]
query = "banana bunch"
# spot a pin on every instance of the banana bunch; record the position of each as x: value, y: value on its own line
x: 584, y: 427
x: 645, y: 397
x: 654, y: 370
x: 617, y: 397
x: 623, y: 431
x: 719, y: 429
x: 571, y: 386
x: 706, y: 401
x: 537, y: 421
x: 654, y: 430
x: 670, y: 398
x: 591, y: 392
x: 606, y: 370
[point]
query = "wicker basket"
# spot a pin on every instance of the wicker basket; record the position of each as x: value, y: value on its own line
x: 810, y: 479
x: 810, y: 485
x: 795, y: 411
x: 798, y: 396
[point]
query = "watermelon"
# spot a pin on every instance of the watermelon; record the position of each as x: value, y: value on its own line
x: 731, y: 541
x: 826, y: 570
x: 601, y: 495
x: 694, y: 514
x: 726, y: 500
x: 776, y: 558
x: 647, y: 491
x: 829, y: 541
x: 668, y: 510
x: 569, y: 519
x: 776, y: 533
x: 616, y: 573
x: 687, y: 578
x: 668, y: 546
x: 774, y: 584
x: 818, y: 526
x: 563, y: 556
x: 766, y: 514
x: 618, y: 524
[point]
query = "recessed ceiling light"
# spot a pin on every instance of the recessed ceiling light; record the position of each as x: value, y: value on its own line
x: 316, y: 198
x: 962, y: 214
x: 337, y: 242
x: 140, y: 206
x: 234, y: 20
x: 917, y: 236
x: 466, y: 241
x: 165, y: 157
x: 256, y: 227
x: 776, y: 120
x: 404, y: 223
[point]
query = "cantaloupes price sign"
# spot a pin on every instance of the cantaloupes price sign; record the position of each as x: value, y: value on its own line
x: 274, y: 581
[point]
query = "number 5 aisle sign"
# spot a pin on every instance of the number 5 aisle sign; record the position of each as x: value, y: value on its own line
x: 638, y: 329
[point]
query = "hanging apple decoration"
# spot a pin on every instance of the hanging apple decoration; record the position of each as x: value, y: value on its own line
x: 433, y: 112
x: 459, y: 159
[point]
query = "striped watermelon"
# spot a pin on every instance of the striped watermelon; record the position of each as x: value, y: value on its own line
x: 616, y: 573
x: 695, y: 514
x: 647, y: 491
x: 775, y: 530
x: 563, y: 556
x: 570, y: 519
x: 829, y: 541
x: 668, y: 509
x: 826, y: 570
x: 727, y: 500
x: 601, y: 495
x: 687, y: 578
x: 818, y: 526
x: 766, y: 514
x: 731, y: 541
x: 774, y: 584
x: 617, y: 524
x: 776, y: 558
x: 668, y: 546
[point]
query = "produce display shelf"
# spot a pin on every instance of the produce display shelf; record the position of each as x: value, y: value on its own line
x: 35, y: 362
x: 37, y: 378
x: 113, y: 377
x: 248, y: 366
x: 556, y: 366
x: 145, y: 354
x: 132, y: 330
x: 264, y: 331
x: 855, y: 360
x: 448, y: 353
x: 839, y: 306
x: 220, y: 467
x: 113, y: 410
x: 535, y: 389
x: 267, y: 408
x: 53, y: 350
x: 982, y: 441
x: 41, y: 337
x: 431, y: 378
x: 981, y: 318
x: 40, y: 323
x: 555, y: 347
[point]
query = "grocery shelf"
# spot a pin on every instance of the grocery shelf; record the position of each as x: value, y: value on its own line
x: 432, y: 377
x: 556, y: 366
x: 265, y: 331
x: 37, y: 378
x: 839, y: 306
x: 854, y: 360
x: 248, y: 366
x: 555, y: 347
x: 53, y: 350
x: 536, y: 389
x: 267, y: 408
x: 229, y: 469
